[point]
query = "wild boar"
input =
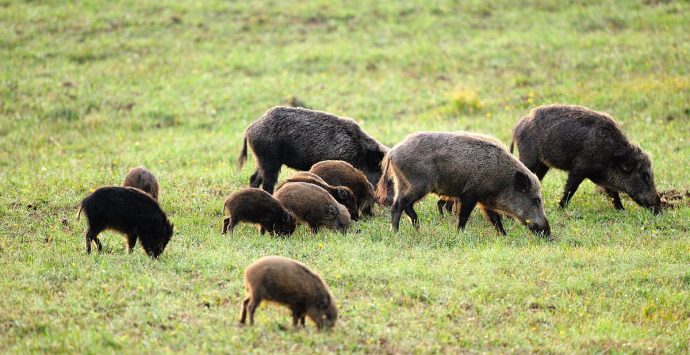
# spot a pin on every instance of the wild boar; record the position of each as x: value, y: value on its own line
x: 142, y: 179
x: 129, y: 211
x: 341, y: 173
x: 588, y: 145
x: 259, y: 207
x: 342, y: 194
x: 291, y: 283
x: 314, y: 206
x: 474, y: 168
x: 300, y: 138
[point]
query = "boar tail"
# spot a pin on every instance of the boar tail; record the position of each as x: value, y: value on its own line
x: 512, y: 144
x: 79, y: 213
x: 243, y: 154
x: 382, y: 185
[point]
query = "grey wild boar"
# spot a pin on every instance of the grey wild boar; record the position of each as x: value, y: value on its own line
x: 259, y: 207
x: 142, y: 179
x: 341, y: 173
x: 474, y: 168
x: 129, y: 211
x: 300, y: 138
x: 342, y: 194
x: 288, y: 282
x: 314, y: 206
x: 588, y: 145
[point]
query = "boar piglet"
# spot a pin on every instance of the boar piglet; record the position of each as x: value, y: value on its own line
x: 288, y: 282
x: 341, y: 173
x: 129, y: 211
x: 259, y: 207
x: 142, y: 179
x: 314, y: 206
x: 342, y: 194
x: 300, y: 138
x: 473, y: 168
x: 588, y: 145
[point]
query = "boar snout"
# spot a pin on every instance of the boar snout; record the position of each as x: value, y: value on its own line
x: 541, y: 229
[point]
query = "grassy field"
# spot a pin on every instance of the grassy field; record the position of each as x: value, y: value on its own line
x: 88, y: 90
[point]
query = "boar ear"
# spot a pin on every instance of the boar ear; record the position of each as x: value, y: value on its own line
x: 331, y: 211
x: 522, y: 183
x: 342, y: 194
x: 286, y: 217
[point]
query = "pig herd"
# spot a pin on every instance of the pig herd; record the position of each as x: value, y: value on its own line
x: 342, y: 173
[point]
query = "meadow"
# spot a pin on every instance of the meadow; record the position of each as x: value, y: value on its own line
x: 92, y: 88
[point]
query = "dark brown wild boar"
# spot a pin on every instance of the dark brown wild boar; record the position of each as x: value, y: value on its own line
x: 291, y: 283
x: 300, y: 138
x: 342, y: 194
x: 341, y: 173
x: 129, y: 211
x: 474, y: 168
x: 259, y: 207
x: 589, y: 145
x: 314, y: 206
x: 142, y: 179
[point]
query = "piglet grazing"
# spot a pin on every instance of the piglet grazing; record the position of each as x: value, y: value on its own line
x: 341, y: 173
x: 142, y: 179
x: 473, y: 168
x: 258, y: 206
x: 291, y: 283
x: 589, y: 145
x: 129, y: 211
x: 314, y: 206
x: 342, y: 194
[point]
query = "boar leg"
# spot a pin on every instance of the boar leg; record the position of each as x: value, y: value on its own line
x: 270, y: 176
x: 297, y: 316
x: 243, y: 313
x: 251, y: 308
x: 441, y: 205
x: 613, y: 194
x: 571, y: 185
x: 494, y: 218
x: 99, y: 246
x: 466, y: 207
x: 131, y: 242
x: 91, y: 235
x: 314, y: 228
x: 302, y: 320
x: 396, y: 212
x: 255, y: 180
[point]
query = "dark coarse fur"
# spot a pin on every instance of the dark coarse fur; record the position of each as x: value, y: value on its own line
x: 342, y: 194
x: 142, y: 179
x: 474, y: 168
x: 291, y: 283
x: 341, y: 173
x: 300, y: 138
x: 129, y: 211
x: 314, y: 206
x: 589, y: 145
x: 258, y: 206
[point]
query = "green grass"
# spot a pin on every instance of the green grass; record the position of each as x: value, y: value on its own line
x: 88, y: 90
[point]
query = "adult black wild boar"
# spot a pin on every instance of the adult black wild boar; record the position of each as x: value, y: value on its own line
x: 300, y: 138
x: 589, y: 145
x: 474, y: 168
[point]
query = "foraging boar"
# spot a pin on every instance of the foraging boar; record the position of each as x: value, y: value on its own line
x: 342, y: 194
x: 341, y: 173
x: 447, y: 203
x: 129, y: 211
x: 300, y: 138
x: 259, y: 207
x: 291, y: 283
x: 589, y: 145
x: 314, y: 206
x: 142, y: 179
x: 472, y: 167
